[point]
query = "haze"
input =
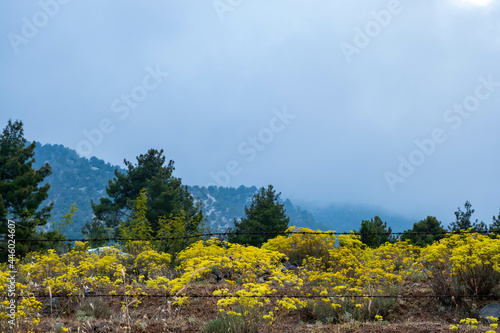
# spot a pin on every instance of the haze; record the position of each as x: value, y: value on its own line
x: 386, y: 103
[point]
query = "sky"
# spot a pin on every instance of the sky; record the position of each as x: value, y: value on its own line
x: 394, y: 104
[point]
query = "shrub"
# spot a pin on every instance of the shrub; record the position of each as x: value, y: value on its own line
x: 27, y: 310
x: 463, y: 265
x: 152, y: 264
x: 227, y: 323
x: 298, y: 247
x: 97, y: 308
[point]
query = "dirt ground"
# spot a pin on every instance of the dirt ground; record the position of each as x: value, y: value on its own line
x: 415, y: 315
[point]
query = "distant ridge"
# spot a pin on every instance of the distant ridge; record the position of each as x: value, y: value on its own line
x: 224, y: 204
x: 74, y: 179
x: 79, y: 180
x: 345, y: 217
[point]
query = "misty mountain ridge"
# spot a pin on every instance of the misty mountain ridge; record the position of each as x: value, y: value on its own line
x: 78, y: 180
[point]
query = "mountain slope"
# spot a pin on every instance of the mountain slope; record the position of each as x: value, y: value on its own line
x: 222, y: 205
x: 74, y: 180
x: 78, y: 180
x: 345, y: 217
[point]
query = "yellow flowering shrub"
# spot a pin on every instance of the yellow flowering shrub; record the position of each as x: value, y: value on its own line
x: 348, y: 269
x: 339, y: 276
x: 152, y: 263
x: 233, y: 261
x: 66, y: 274
x: 331, y: 279
x: 463, y: 264
x: 298, y: 246
x: 27, y: 313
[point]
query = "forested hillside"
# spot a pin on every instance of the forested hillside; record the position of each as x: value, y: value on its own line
x: 345, y: 217
x: 263, y: 274
x: 222, y: 205
x: 78, y: 180
x: 74, y: 180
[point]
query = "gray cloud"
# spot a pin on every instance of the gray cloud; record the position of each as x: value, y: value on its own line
x: 353, y: 119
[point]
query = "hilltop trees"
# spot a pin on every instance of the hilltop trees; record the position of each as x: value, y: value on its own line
x: 374, y: 232
x: 265, y: 215
x: 429, y: 225
x: 96, y: 229
x: 463, y: 220
x: 495, y: 226
x: 20, y: 193
x: 148, y: 187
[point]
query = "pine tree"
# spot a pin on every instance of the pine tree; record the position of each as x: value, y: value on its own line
x: 166, y: 194
x: 20, y: 192
x: 139, y: 227
x: 430, y: 228
x: 374, y: 232
x: 265, y: 215
x: 463, y: 220
x: 96, y: 229
x: 495, y: 226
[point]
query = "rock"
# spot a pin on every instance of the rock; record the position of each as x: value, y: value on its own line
x: 217, y: 277
x: 101, y: 328
x: 52, y: 303
x: 490, y: 310
x: 288, y: 266
x: 264, y: 278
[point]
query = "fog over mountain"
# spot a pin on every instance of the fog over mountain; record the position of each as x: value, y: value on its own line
x: 386, y: 104
x: 78, y: 180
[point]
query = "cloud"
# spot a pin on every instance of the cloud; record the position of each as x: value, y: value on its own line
x: 226, y: 77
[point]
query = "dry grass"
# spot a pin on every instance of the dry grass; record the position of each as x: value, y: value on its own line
x: 160, y: 315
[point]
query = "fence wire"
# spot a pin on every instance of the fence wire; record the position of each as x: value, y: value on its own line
x: 90, y: 295
x: 269, y: 233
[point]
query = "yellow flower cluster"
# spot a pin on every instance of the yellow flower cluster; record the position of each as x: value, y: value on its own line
x: 493, y: 324
x: 321, y: 272
x: 28, y: 308
x: 152, y: 263
x: 68, y: 273
x: 467, y: 263
x: 465, y: 251
x: 339, y: 272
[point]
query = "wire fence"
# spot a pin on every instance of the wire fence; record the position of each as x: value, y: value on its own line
x: 269, y: 233
x: 91, y: 295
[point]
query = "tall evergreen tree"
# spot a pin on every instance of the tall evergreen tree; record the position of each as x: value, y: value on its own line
x: 429, y: 225
x: 495, y: 226
x: 374, y: 232
x: 96, y: 229
x: 166, y: 194
x: 20, y: 192
x: 138, y: 227
x: 463, y: 220
x: 265, y: 215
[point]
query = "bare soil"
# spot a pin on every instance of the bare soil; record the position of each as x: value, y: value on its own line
x: 415, y: 315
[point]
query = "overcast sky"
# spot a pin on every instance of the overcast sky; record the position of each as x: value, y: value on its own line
x: 387, y: 103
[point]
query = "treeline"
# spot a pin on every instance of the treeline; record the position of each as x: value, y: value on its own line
x: 78, y: 180
x: 74, y: 180
x: 147, y: 201
x: 375, y: 232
